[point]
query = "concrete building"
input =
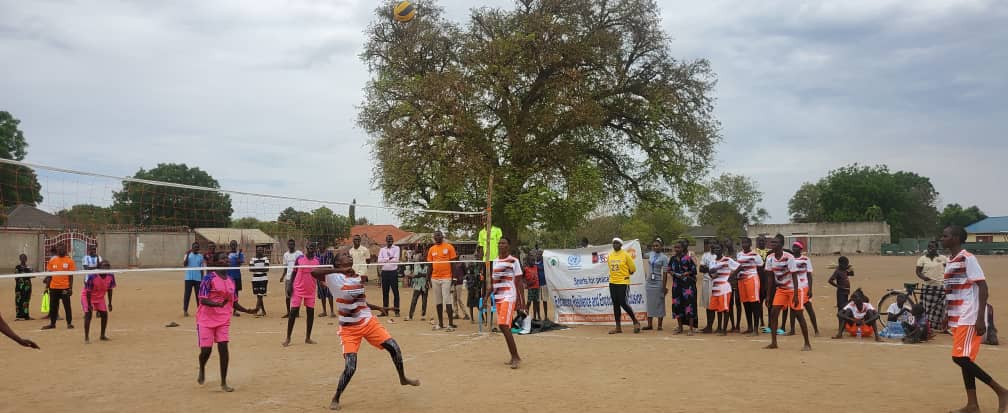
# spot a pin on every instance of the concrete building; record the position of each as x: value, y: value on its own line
x: 821, y: 238
x: 990, y: 229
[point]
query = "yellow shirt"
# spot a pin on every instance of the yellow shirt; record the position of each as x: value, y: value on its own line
x: 933, y: 268
x: 621, y: 265
x: 762, y: 253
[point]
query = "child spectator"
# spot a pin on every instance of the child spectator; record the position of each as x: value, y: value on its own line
x: 474, y: 289
x: 532, y: 285
x: 898, y: 315
x: 919, y: 329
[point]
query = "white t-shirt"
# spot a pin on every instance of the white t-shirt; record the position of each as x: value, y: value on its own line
x: 962, y: 295
x: 803, y: 267
x: 360, y: 256
x: 289, y: 258
x: 895, y: 309
x: 859, y: 313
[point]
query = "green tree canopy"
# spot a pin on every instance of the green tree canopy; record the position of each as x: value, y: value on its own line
x: 90, y: 215
x: 18, y: 184
x: 567, y: 103
x: 804, y: 205
x: 146, y: 204
x: 954, y: 214
x: 730, y: 203
x: 320, y: 225
x: 871, y: 193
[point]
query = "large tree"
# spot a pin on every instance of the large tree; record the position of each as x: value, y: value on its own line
x: 569, y: 104
x: 147, y: 204
x: 955, y: 214
x: 730, y: 203
x: 804, y: 206
x: 872, y: 193
x: 18, y: 184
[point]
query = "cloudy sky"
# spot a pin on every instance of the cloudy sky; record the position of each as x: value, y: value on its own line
x: 263, y: 94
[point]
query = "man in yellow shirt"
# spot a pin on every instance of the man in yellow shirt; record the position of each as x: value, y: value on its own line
x: 621, y: 266
x: 60, y: 287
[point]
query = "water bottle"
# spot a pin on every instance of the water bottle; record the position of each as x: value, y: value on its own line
x: 858, y: 332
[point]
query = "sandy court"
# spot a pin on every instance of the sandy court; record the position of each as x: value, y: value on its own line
x: 148, y: 367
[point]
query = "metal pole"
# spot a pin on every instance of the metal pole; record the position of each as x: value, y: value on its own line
x: 488, y: 280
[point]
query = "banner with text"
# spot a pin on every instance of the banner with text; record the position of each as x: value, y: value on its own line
x: 577, y: 281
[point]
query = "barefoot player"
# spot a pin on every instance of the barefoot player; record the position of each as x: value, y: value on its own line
x: 218, y: 300
x: 357, y: 323
x: 507, y: 291
x: 304, y: 292
x: 966, y: 297
x: 782, y: 265
x: 96, y: 286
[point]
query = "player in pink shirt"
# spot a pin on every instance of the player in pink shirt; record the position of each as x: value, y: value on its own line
x: 304, y: 290
x: 218, y: 299
x: 96, y: 286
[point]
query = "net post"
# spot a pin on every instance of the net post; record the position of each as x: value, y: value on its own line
x: 488, y: 279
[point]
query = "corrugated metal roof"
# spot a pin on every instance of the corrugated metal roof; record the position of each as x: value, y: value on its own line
x: 223, y: 236
x: 989, y: 225
x: 27, y: 216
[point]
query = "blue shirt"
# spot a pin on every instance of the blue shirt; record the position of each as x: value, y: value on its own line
x: 541, y: 269
x: 235, y: 259
x: 194, y: 261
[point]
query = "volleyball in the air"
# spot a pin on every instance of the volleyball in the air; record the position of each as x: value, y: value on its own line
x: 404, y: 11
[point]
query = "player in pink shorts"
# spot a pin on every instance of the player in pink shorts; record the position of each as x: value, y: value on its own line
x: 304, y: 290
x: 218, y: 299
x: 96, y: 286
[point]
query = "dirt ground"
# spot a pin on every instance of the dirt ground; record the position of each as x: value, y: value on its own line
x: 148, y: 367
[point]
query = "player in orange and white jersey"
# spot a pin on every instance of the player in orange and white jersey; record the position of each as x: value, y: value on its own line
x: 966, y: 296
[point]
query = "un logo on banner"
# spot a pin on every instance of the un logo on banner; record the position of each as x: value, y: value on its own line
x: 574, y: 261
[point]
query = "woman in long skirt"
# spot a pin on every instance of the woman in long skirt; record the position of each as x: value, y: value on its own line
x: 656, y: 285
x: 684, y: 292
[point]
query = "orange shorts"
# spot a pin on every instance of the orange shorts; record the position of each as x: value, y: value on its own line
x: 785, y: 298
x: 866, y: 330
x: 749, y: 289
x: 965, y: 342
x: 719, y: 303
x: 372, y: 331
x: 505, y: 313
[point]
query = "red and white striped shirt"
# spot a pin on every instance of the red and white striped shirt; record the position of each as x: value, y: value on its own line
x: 962, y: 296
x: 351, y: 302
x: 803, y: 267
x: 720, y: 270
x: 505, y: 271
x: 781, y: 268
x: 750, y: 262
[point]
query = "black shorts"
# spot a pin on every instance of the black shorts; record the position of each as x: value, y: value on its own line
x: 259, y: 287
x: 842, y: 298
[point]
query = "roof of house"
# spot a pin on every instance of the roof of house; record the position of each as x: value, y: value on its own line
x: 989, y: 225
x: 27, y: 216
x: 223, y: 236
x: 376, y: 233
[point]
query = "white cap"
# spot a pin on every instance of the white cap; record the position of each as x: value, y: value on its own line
x: 617, y: 239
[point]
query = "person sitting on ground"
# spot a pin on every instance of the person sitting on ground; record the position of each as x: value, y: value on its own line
x: 919, y: 330
x: 858, y: 317
x: 898, y: 313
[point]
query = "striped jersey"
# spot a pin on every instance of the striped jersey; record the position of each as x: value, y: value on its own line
x: 803, y: 267
x: 750, y: 262
x: 962, y: 296
x: 781, y: 268
x: 720, y: 270
x: 258, y: 268
x: 351, y: 302
x: 505, y: 271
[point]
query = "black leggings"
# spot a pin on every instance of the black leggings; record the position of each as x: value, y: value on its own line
x: 55, y: 297
x: 193, y: 288
x: 971, y: 372
x: 619, y: 300
x: 389, y: 281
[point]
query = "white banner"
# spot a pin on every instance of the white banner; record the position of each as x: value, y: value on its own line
x: 577, y: 281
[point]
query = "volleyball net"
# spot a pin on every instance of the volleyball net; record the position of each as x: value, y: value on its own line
x: 149, y: 221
